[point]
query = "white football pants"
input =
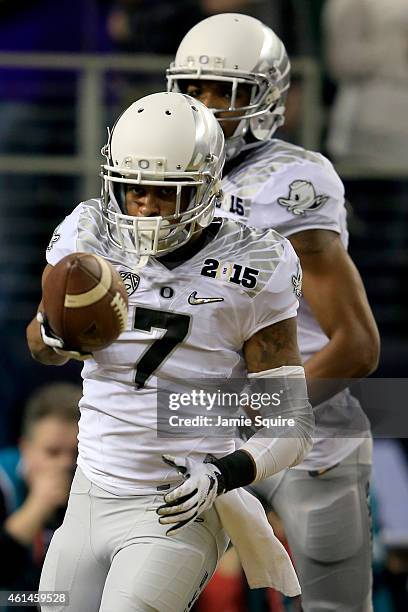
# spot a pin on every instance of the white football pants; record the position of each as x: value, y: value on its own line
x: 112, y: 555
x: 327, y: 522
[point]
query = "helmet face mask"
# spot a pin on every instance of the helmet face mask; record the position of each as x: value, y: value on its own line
x: 167, y: 141
x: 241, y: 50
x: 258, y: 85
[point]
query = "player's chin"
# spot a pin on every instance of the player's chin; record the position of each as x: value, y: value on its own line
x: 228, y: 127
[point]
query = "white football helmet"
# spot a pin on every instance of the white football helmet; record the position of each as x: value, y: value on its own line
x: 164, y: 139
x: 239, y: 49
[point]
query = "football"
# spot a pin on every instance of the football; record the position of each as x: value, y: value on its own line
x: 85, y: 302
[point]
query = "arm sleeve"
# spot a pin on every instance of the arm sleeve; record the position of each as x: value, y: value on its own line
x: 272, y: 449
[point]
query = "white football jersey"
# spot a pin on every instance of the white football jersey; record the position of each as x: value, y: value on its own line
x: 249, y: 279
x: 285, y: 187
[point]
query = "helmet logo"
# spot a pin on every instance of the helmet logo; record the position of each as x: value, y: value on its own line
x: 143, y: 164
x: 302, y: 197
x: 193, y: 61
x: 130, y: 162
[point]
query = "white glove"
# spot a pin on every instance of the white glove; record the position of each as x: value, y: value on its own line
x: 203, y: 483
x: 57, y: 343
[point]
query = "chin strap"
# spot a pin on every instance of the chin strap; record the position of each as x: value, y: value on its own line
x: 141, y: 262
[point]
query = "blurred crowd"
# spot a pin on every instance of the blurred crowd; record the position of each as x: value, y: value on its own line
x: 361, y: 50
x: 35, y: 478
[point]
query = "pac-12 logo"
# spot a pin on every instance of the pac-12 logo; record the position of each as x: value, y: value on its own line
x: 131, y: 281
x: 232, y: 272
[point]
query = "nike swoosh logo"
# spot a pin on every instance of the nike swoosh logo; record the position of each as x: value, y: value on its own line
x: 195, y: 301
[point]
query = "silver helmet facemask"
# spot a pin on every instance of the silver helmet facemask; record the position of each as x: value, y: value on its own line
x: 169, y: 141
x: 210, y: 52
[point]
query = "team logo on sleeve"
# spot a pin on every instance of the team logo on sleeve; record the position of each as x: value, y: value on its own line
x: 131, y: 281
x: 297, y: 282
x: 54, y: 238
x: 302, y: 197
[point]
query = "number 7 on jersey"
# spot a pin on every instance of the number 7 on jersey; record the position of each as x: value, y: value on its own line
x: 176, y: 327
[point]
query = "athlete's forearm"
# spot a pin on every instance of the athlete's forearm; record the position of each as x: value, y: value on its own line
x: 40, y: 351
x: 345, y: 356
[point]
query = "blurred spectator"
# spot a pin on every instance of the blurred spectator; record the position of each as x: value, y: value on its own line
x: 35, y: 479
x: 367, y: 55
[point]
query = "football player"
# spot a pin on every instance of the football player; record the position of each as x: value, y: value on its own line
x: 239, y: 68
x: 208, y: 299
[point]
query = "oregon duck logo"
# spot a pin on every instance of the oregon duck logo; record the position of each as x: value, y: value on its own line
x: 302, y: 197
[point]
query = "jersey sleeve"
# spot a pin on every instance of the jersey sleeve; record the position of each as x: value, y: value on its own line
x: 304, y: 195
x: 64, y: 239
x: 279, y: 298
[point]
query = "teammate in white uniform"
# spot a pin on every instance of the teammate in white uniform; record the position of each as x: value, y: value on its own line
x: 207, y: 299
x: 239, y: 68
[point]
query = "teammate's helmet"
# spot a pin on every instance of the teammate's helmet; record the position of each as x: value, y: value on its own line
x: 239, y: 49
x: 165, y: 139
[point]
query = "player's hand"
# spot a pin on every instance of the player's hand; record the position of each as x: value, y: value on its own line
x: 55, y: 342
x: 203, y: 483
